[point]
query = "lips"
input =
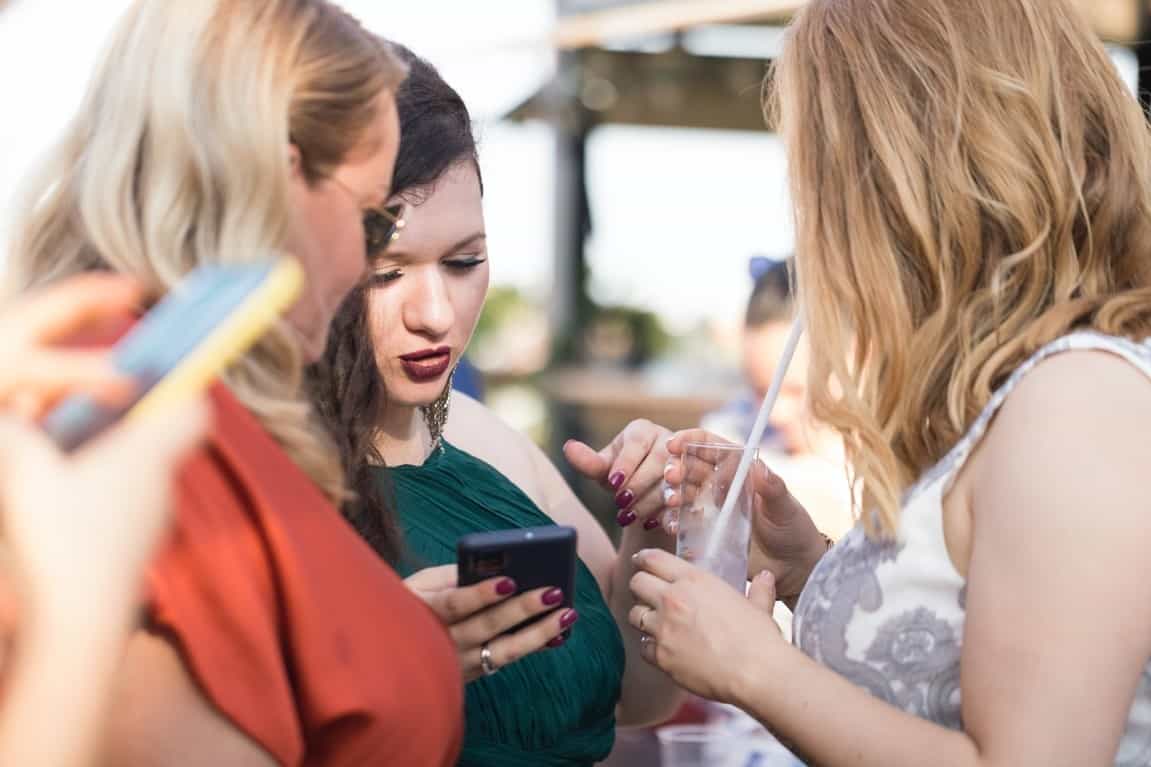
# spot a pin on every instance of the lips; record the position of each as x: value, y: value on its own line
x: 426, y: 365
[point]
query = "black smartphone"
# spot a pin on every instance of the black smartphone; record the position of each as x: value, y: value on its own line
x: 534, y: 557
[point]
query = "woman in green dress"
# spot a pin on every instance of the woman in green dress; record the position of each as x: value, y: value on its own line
x: 422, y: 480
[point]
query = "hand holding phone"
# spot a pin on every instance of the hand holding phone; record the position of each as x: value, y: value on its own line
x: 496, y: 600
x: 532, y: 557
x: 37, y: 368
x: 184, y: 342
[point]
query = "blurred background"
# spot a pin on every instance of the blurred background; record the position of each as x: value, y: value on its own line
x: 630, y: 181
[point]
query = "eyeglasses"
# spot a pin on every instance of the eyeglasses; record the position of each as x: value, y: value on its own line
x: 382, y: 226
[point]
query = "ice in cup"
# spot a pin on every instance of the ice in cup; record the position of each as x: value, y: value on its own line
x: 708, y: 471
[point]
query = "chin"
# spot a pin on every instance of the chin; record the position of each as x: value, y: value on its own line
x: 407, y: 393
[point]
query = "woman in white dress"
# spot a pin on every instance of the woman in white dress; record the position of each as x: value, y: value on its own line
x: 972, y: 183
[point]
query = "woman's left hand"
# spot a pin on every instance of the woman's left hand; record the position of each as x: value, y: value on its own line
x: 631, y: 466
x: 702, y: 632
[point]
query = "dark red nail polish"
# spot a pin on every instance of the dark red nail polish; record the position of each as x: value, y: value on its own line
x: 615, y: 480
x: 625, y: 518
x: 570, y: 617
x: 553, y: 597
x: 557, y: 642
x: 505, y: 587
x: 651, y: 524
x: 625, y: 499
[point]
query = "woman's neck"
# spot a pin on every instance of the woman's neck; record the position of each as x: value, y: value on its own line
x: 403, y: 438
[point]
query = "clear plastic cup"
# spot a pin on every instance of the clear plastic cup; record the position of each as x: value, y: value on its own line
x: 708, y: 470
x: 714, y: 745
x: 690, y: 745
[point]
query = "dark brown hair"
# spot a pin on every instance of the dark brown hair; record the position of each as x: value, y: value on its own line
x: 436, y: 135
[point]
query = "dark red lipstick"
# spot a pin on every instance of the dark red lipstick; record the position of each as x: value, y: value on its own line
x: 427, y: 364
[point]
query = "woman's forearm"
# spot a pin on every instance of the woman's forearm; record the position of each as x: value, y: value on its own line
x: 59, y: 686
x: 649, y: 695
x: 829, y: 721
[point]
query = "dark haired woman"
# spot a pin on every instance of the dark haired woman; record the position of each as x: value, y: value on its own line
x: 384, y: 387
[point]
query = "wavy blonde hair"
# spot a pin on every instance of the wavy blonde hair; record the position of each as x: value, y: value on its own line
x: 971, y: 181
x: 180, y: 157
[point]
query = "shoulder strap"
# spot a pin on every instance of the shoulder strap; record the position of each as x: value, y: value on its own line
x: 1138, y: 354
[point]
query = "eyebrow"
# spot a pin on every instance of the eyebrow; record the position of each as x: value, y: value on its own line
x: 396, y: 251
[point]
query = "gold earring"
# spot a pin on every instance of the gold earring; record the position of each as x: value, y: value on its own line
x: 436, y: 414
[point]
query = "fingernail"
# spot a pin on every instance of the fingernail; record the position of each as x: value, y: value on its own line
x: 625, y: 499
x: 668, y: 494
x: 505, y: 587
x: 667, y: 468
x: 651, y: 524
x: 570, y: 617
x: 553, y: 597
x: 625, y: 518
x: 615, y: 480
x: 557, y: 642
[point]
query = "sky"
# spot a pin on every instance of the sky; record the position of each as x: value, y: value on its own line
x: 670, y: 236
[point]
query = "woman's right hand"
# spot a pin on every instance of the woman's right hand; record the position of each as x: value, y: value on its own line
x: 784, y: 540
x: 35, y: 371
x: 478, y: 615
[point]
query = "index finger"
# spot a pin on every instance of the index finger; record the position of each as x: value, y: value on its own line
x: 662, y: 564
x: 455, y: 605
x: 53, y: 313
x: 636, y: 442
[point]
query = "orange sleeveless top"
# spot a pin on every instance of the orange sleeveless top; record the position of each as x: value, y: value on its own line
x: 291, y: 625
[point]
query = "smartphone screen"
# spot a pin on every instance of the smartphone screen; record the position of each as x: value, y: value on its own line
x: 218, y: 310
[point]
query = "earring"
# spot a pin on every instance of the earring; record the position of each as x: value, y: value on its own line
x: 436, y: 414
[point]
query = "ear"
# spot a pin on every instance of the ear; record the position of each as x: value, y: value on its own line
x: 295, y: 162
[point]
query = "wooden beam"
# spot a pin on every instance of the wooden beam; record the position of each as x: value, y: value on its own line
x: 593, y: 29
x: 1113, y: 20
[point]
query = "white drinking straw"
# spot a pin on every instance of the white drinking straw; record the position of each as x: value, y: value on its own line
x: 753, y: 441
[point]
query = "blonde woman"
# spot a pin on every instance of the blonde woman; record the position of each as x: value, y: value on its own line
x: 973, y: 194
x: 224, y: 130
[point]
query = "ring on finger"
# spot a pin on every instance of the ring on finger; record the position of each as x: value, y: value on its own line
x: 642, y: 619
x: 486, y: 663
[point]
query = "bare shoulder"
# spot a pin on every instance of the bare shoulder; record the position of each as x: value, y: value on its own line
x: 1077, y: 393
x: 1076, y: 424
x: 475, y: 429
x: 160, y: 718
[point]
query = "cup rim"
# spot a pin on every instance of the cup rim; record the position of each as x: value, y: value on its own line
x: 718, y: 445
x: 690, y: 733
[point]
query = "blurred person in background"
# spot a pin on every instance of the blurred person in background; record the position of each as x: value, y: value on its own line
x: 423, y: 479
x: 806, y: 454
x: 972, y: 185
x: 226, y: 130
x: 78, y: 530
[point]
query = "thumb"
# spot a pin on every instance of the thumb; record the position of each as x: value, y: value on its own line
x: 432, y: 579
x: 586, y: 461
x: 762, y: 591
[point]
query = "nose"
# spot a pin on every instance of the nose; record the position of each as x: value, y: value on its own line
x: 428, y: 308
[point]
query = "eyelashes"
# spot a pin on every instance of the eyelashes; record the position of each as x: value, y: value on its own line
x: 461, y: 266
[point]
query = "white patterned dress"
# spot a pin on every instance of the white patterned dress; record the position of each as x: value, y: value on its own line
x: 889, y: 615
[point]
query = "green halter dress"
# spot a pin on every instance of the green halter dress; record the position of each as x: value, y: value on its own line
x: 555, y: 708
